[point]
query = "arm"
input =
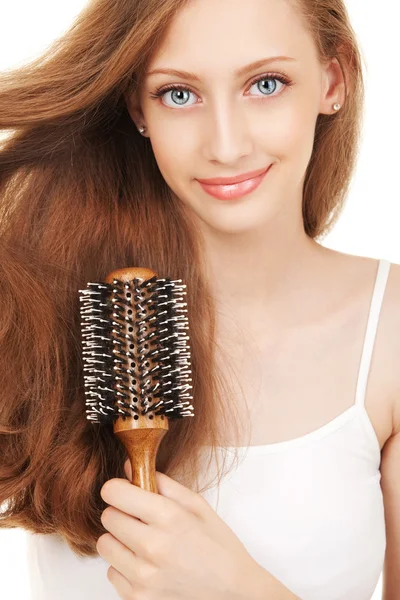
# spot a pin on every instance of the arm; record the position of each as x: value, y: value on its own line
x: 390, y: 483
x: 390, y: 456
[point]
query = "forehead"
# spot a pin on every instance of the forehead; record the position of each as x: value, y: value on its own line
x: 222, y: 34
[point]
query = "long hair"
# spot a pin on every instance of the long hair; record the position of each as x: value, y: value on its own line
x: 81, y: 195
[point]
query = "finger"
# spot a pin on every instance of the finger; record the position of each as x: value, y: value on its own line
x: 169, y: 488
x: 116, y: 554
x: 141, y: 580
x: 126, y: 568
x: 186, y: 498
x: 149, y: 507
x: 189, y: 500
x: 133, y: 500
x: 122, y: 586
x: 138, y: 571
x: 129, y: 531
x: 128, y: 469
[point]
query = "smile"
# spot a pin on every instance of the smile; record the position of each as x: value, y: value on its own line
x: 235, y: 190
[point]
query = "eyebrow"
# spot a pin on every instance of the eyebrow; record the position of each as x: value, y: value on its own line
x: 238, y: 73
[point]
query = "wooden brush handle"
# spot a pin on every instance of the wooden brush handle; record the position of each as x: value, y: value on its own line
x: 141, y: 439
x: 141, y: 436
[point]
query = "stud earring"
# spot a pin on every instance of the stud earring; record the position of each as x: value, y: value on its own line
x: 142, y: 129
x: 337, y: 106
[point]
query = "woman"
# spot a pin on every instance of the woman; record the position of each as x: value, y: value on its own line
x: 109, y: 166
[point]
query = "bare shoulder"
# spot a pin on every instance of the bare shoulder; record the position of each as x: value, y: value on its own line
x: 383, y: 399
x: 383, y: 390
x: 383, y: 403
x: 390, y: 456
x: 391, y: 336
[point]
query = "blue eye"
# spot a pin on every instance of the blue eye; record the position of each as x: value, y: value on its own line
x: 181, y: 93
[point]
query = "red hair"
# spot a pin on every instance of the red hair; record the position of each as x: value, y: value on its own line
x: 81, y: 195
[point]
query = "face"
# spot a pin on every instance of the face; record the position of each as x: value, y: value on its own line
x: 225, y: 123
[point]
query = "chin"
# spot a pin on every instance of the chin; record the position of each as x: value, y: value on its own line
x: 237, y: 225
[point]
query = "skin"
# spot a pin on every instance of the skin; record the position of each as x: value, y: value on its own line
x: 174, y: 546
x: 227, y: 126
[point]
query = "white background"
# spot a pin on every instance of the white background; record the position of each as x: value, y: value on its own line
x: 369, y: 225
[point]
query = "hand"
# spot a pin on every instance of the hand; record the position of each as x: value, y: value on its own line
x: 172, y: 545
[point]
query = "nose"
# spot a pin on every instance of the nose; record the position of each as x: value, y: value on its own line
x: 229, y: 136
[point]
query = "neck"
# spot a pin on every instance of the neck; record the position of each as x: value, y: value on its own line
x: 263, y: 276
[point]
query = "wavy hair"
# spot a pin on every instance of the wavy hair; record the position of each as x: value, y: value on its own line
x: 81, y: 194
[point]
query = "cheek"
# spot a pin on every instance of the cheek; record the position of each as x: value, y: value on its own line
x: 291, y: 133
x: 175, y: 159
x: 290, y: 138
x: 293, y: 144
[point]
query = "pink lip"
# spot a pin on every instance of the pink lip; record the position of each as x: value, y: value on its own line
x: 234, y: 190
x: 232, y: 180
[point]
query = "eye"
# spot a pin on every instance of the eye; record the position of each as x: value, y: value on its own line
x: 181, y: 93
x: 267, y: 85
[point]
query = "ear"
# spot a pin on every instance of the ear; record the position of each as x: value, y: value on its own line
x: 133, y: 105
x: 333, y: 87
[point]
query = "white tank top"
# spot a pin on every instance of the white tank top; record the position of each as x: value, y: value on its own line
x: 309, y: 510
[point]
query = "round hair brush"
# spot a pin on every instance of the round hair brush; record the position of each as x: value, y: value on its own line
x: 136, y: 358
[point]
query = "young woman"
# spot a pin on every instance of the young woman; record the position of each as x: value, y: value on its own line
x: 211, y: 140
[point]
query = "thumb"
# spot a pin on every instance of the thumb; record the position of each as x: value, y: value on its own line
x: 128, y: 469
x: 160, y: 477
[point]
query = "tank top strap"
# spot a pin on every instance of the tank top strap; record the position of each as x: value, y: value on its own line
x: 372, y: 326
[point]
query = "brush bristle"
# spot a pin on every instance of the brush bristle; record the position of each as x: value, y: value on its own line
x: 136, y: 353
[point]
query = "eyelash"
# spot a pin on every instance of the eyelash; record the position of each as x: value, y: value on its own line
x: 177, y: 86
